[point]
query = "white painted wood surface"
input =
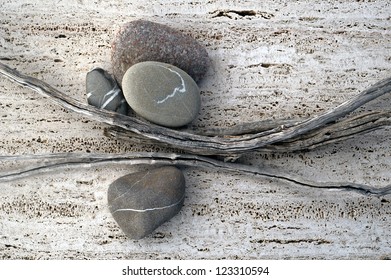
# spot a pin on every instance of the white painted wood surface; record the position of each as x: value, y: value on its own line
x: 271, y: 59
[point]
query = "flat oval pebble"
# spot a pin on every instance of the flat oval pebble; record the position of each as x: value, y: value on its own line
x: 161, y: 93
x: 140, y: 202
x: 143, y: 40
x: 103, y: 92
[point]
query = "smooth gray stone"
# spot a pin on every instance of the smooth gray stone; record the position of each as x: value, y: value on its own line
x: 103, y: 92
x: 161, y: 93
x: 140, y: 202
x: 143, y: 40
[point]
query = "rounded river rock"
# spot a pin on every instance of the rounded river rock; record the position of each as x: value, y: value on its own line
x: 142, y: 201
x: 161, y: 93
x: 103, y: 92
x: 142, y: 40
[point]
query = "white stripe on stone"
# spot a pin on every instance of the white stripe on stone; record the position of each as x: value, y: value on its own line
x: 149, y: 209
x: 181, y: 89
x: 114, y: 92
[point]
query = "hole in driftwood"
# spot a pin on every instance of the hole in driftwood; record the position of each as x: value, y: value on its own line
x: 61, y: 36
x: 229, y: 13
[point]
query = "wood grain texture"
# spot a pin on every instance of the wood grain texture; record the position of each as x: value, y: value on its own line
x: 270, y: 60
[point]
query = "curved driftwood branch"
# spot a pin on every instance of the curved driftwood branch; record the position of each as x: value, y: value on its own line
x: 270, y: 135
x: 335, y: 132
x: 52, y: 162
x: 282, y: 135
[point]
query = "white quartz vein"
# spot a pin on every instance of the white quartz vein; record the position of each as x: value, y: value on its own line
x: 181, y: 89
x: 149, y: 209
x: 131, y: 187
x: 112, y: 94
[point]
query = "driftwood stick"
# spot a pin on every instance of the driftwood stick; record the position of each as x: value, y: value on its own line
x: 249, y: 128
x: 53, y: 162
x: 269, y: 135
x: 335, y: 132
x: 261, y: 139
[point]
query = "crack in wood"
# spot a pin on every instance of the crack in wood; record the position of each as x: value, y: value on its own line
x: 235, y: 14
x: 292, y: 241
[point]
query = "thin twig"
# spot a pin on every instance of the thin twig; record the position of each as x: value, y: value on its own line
x: 53, y: 162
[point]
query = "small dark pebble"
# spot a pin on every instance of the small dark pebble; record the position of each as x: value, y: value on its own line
x: 103, y: 92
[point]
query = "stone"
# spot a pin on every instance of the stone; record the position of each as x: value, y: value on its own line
x: 142, y: 40
x: 103, y: 92
x: 141, y: 202
x: 161, y: 93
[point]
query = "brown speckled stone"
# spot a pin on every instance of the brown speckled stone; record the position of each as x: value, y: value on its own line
x: 142, y: 40
x: 142, y: 201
